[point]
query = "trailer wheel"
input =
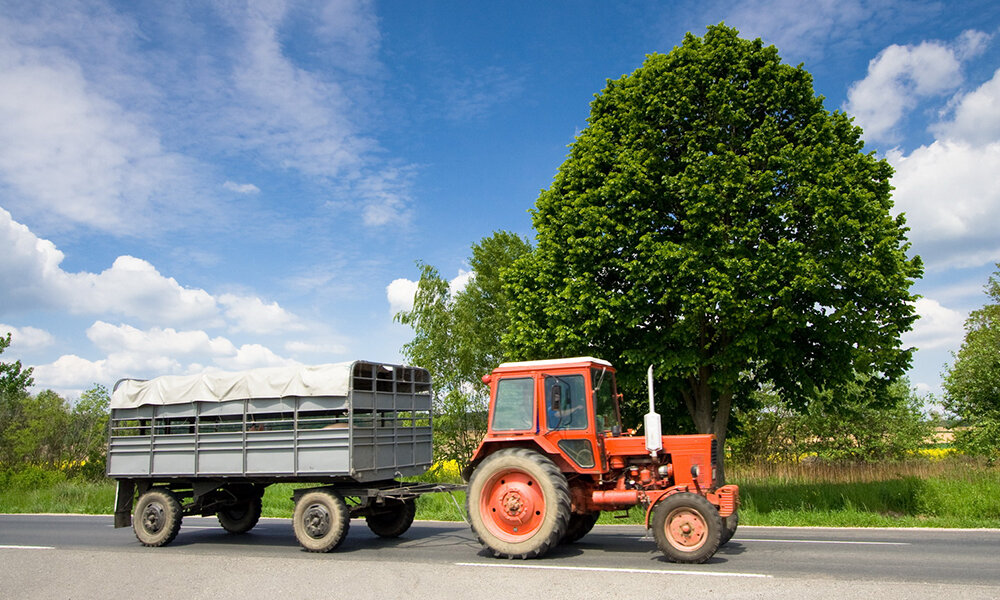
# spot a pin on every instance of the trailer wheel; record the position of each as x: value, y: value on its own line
x: 687, y: 528
x: 579, y: 526
x: 729, y: 525
x: 321, y: 521
x: 157, y: 517
x: 393, y: 519
x: 518, y: 503
x: 240, y: 517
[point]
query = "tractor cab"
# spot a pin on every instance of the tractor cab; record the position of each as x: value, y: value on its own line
x: 565, y: 406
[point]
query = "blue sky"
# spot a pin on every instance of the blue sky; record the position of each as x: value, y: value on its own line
x: 227, y: 185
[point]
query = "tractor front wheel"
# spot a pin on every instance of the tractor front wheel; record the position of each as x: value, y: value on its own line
x: 518, y: 503
x: 729, y: 525
x: 687, y: 528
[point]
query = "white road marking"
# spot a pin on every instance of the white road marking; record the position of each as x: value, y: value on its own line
x: 822, y: 542
x: 613, y: 570
x: 14, y: 547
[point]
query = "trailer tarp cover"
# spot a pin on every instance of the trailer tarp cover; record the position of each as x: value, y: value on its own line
x: 272, y: 382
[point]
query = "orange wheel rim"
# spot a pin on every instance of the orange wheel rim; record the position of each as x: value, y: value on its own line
x: 512, y: 505
x: 686, y: 529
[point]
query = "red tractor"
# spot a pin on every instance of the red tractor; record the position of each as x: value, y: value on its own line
x: 554, y: 457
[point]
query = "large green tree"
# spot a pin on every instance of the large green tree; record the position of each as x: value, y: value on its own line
x: 714, y: 220
x: 458, y: 338
x: 972, y: 384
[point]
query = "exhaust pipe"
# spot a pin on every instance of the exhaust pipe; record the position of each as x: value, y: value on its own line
x: 652, y: 425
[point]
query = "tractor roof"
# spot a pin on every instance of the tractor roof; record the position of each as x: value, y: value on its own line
x: 578, y: 361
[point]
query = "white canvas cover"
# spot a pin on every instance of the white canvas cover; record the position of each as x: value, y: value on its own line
x: 272, y: 382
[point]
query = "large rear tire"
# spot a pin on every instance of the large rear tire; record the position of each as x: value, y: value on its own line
x: 242, y: 516
x: 321, y: 520
x: 518, y: 503
x: 393, y: 519
x: 579, y: 526
x: 157, y: 517
x: 687, y: 528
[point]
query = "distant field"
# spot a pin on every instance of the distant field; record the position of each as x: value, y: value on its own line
x: 923, y: 493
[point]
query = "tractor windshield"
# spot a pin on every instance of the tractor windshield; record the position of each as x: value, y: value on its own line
x: 605, y: 399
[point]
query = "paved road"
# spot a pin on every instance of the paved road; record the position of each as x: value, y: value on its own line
x: 85, y: 557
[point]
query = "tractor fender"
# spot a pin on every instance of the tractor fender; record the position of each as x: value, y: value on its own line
x: 657, y: 496
x: 536, y: 444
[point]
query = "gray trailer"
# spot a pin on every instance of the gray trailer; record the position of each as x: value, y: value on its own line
x: 210, y: 444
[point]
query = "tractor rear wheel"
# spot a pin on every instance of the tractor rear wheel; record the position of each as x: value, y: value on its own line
x: 687, y: 528
x: 518, y: 503
x: 579, y: 526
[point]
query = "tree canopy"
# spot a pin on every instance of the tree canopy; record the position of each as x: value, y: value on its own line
x: 457, y: 337
x: 715, y: 220
x: 972, y: 384
x: 14, y: 380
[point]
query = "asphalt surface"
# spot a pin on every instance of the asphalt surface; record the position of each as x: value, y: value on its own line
x: 76, y: 556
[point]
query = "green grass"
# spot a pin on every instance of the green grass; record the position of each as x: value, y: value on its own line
x: 951, y: 493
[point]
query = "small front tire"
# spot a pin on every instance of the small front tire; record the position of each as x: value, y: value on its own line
x: 687, y: 528
x: 729, y: 525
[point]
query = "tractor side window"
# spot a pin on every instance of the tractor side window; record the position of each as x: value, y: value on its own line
x: 566, y: 402
x: 605, y: 399
x: 513, y: 409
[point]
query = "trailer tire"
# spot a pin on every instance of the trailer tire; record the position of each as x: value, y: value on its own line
x: 157, y: 517
x: 242, y: 516
x: 729, y: 525
x: 687, y: 528
x: 393, y: 519
x: 321, y: 520
x: 579, y: 526
x: 518, y: 503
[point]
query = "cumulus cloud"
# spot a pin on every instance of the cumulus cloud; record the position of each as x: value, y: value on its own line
x: 131, y: 287
x: 145, y: 353
x: 26, y: 339
x: 937, y: 327
x: 976, y: 115
x: 401, y: 292
x: 948, y: 189
x: 897, y: 78
x: 251, y: 314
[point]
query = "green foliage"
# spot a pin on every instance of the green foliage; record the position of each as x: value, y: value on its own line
x: 857, y: 423
x: 714, y: 220
x: 44, y: 430
x: 972, y: 384
x: 457, y: 338
x: 14, y: 380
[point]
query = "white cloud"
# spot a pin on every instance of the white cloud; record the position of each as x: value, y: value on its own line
x: 949, y: 193
x: 241, y: 188
x: 249, y: 313
x: 401, y: 293
x: 131, y: 287
x: 897, y: 78
x: 937, y: 327
x: 976, y: 117
x: 26, y: 339
x: 69, y: 152
x: 144, y: 353
x: 326, y: 347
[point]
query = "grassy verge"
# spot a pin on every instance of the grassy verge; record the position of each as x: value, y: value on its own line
x: 948, y: 493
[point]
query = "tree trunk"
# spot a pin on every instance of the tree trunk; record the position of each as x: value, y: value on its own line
x: 709, y: 416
